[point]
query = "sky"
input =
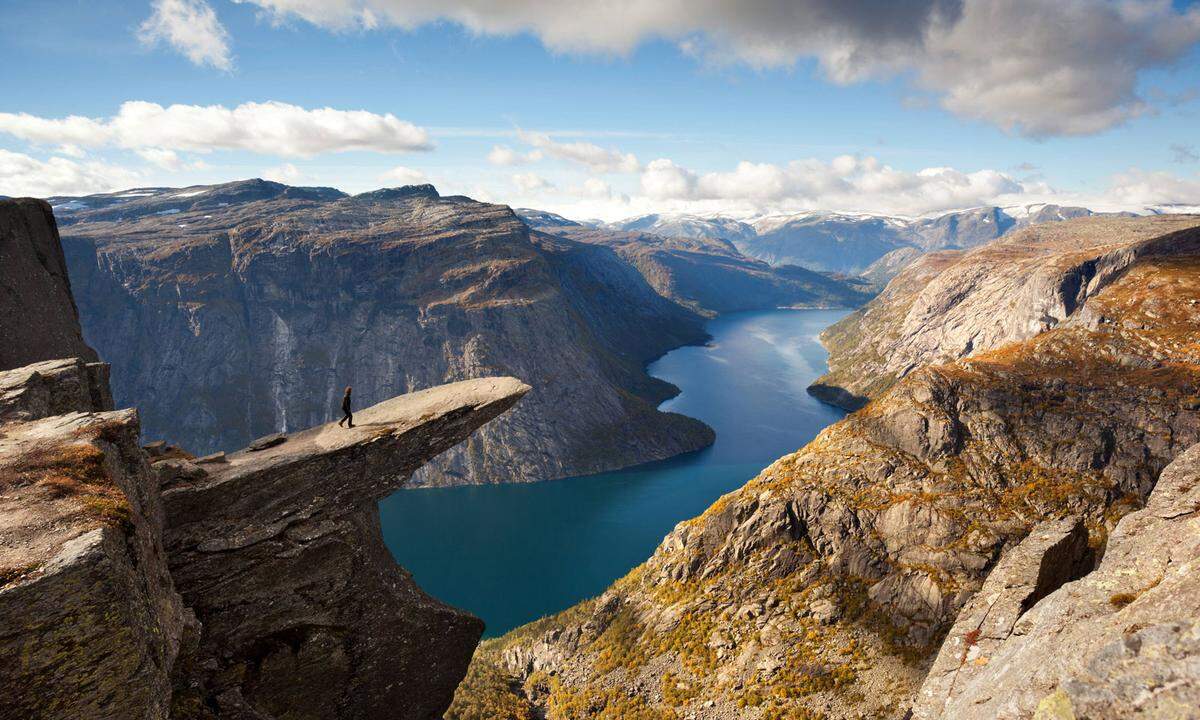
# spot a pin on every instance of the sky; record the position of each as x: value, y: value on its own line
x: 617, y: 108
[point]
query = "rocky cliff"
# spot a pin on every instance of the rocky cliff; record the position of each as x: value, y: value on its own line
x: 142, y: 582
x: 709, y: 275
x: 278, y: 550
x: 255, y: 585
x: 824, y: 587
x: 232, y: 311
x: 950, y: 304
x: 38, y: 319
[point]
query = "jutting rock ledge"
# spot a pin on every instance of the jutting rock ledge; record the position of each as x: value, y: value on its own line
x: 258, y: 587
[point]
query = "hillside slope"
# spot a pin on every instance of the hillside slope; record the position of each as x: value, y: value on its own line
x: 825, y: 586
x: 232, y: 311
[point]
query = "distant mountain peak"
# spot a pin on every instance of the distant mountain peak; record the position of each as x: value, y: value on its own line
x: 398, y: 193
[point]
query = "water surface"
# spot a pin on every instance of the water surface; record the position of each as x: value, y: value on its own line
x: 513, y: 553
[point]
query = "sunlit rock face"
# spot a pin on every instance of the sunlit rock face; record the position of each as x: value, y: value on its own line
x: 229, y: 312
x: 977, y: 488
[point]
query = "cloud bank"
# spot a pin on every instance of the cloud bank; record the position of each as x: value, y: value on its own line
x: 1035, y: 67
x: 271, y: 128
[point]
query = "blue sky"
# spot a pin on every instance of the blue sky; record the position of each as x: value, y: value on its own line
x: 745, y: 109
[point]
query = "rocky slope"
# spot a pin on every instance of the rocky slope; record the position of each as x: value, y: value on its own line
x: 708, y: 275
x: 950, y: 304
x: 825, y: 586
x: 1122, y: 642
x: 141, y: 582
x: 232, y: 311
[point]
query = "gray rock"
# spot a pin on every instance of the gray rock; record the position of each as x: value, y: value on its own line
x: 267, y: 441
x: 54, y: 387
x: 1121, y: 642
x: 1052, y: 555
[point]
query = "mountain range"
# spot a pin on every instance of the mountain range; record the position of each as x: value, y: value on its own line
x: 872, y: 245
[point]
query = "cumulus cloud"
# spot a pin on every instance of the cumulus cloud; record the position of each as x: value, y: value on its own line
x: 272, y: 128
x: 844, y: 183
x: 505, y: 156
x: 402, y: 175
x: 192, y: 28
x: 530, y: 183
x: 24, y: 175
x: 590, y: 155
x: 1037, y: 67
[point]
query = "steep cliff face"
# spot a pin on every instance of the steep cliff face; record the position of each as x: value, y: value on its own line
x: 824, y: 587
x: 90, y: 622
x: 232, y: 311
x: 38, y: 320
x: 710, y: 276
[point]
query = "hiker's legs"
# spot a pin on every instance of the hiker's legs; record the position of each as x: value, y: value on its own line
x: 350, y: 417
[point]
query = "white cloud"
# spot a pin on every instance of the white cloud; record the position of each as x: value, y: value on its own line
x: 403, y: 176
x: 531, y: 184
x: 505, y: 156
x: 192, y: 28
x: 1038, y: 67
x: 287, y: 173
x: 70, y: 150
x: 1138, y: 187
x: 594, y: 157
x: 847, y: 183
x: 272, y: 128
x: 24, y: 175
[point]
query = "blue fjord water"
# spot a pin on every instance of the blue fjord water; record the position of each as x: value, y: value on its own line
x: 513, y: 553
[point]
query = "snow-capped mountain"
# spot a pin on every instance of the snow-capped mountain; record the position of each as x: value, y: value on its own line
x: 851, y: 242
x: 689, y: 226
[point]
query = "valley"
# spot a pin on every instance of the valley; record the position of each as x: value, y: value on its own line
x: 513, y: 553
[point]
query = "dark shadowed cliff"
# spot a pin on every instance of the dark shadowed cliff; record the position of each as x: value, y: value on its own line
x: 231, y: 311
x: 38, y: 319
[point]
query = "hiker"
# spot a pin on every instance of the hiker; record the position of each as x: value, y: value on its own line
x: 346, y: 408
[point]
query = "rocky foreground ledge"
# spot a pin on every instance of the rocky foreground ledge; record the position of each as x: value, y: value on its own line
x: 139, y: 584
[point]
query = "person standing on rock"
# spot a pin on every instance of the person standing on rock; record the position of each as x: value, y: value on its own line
x: 348, y: 416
